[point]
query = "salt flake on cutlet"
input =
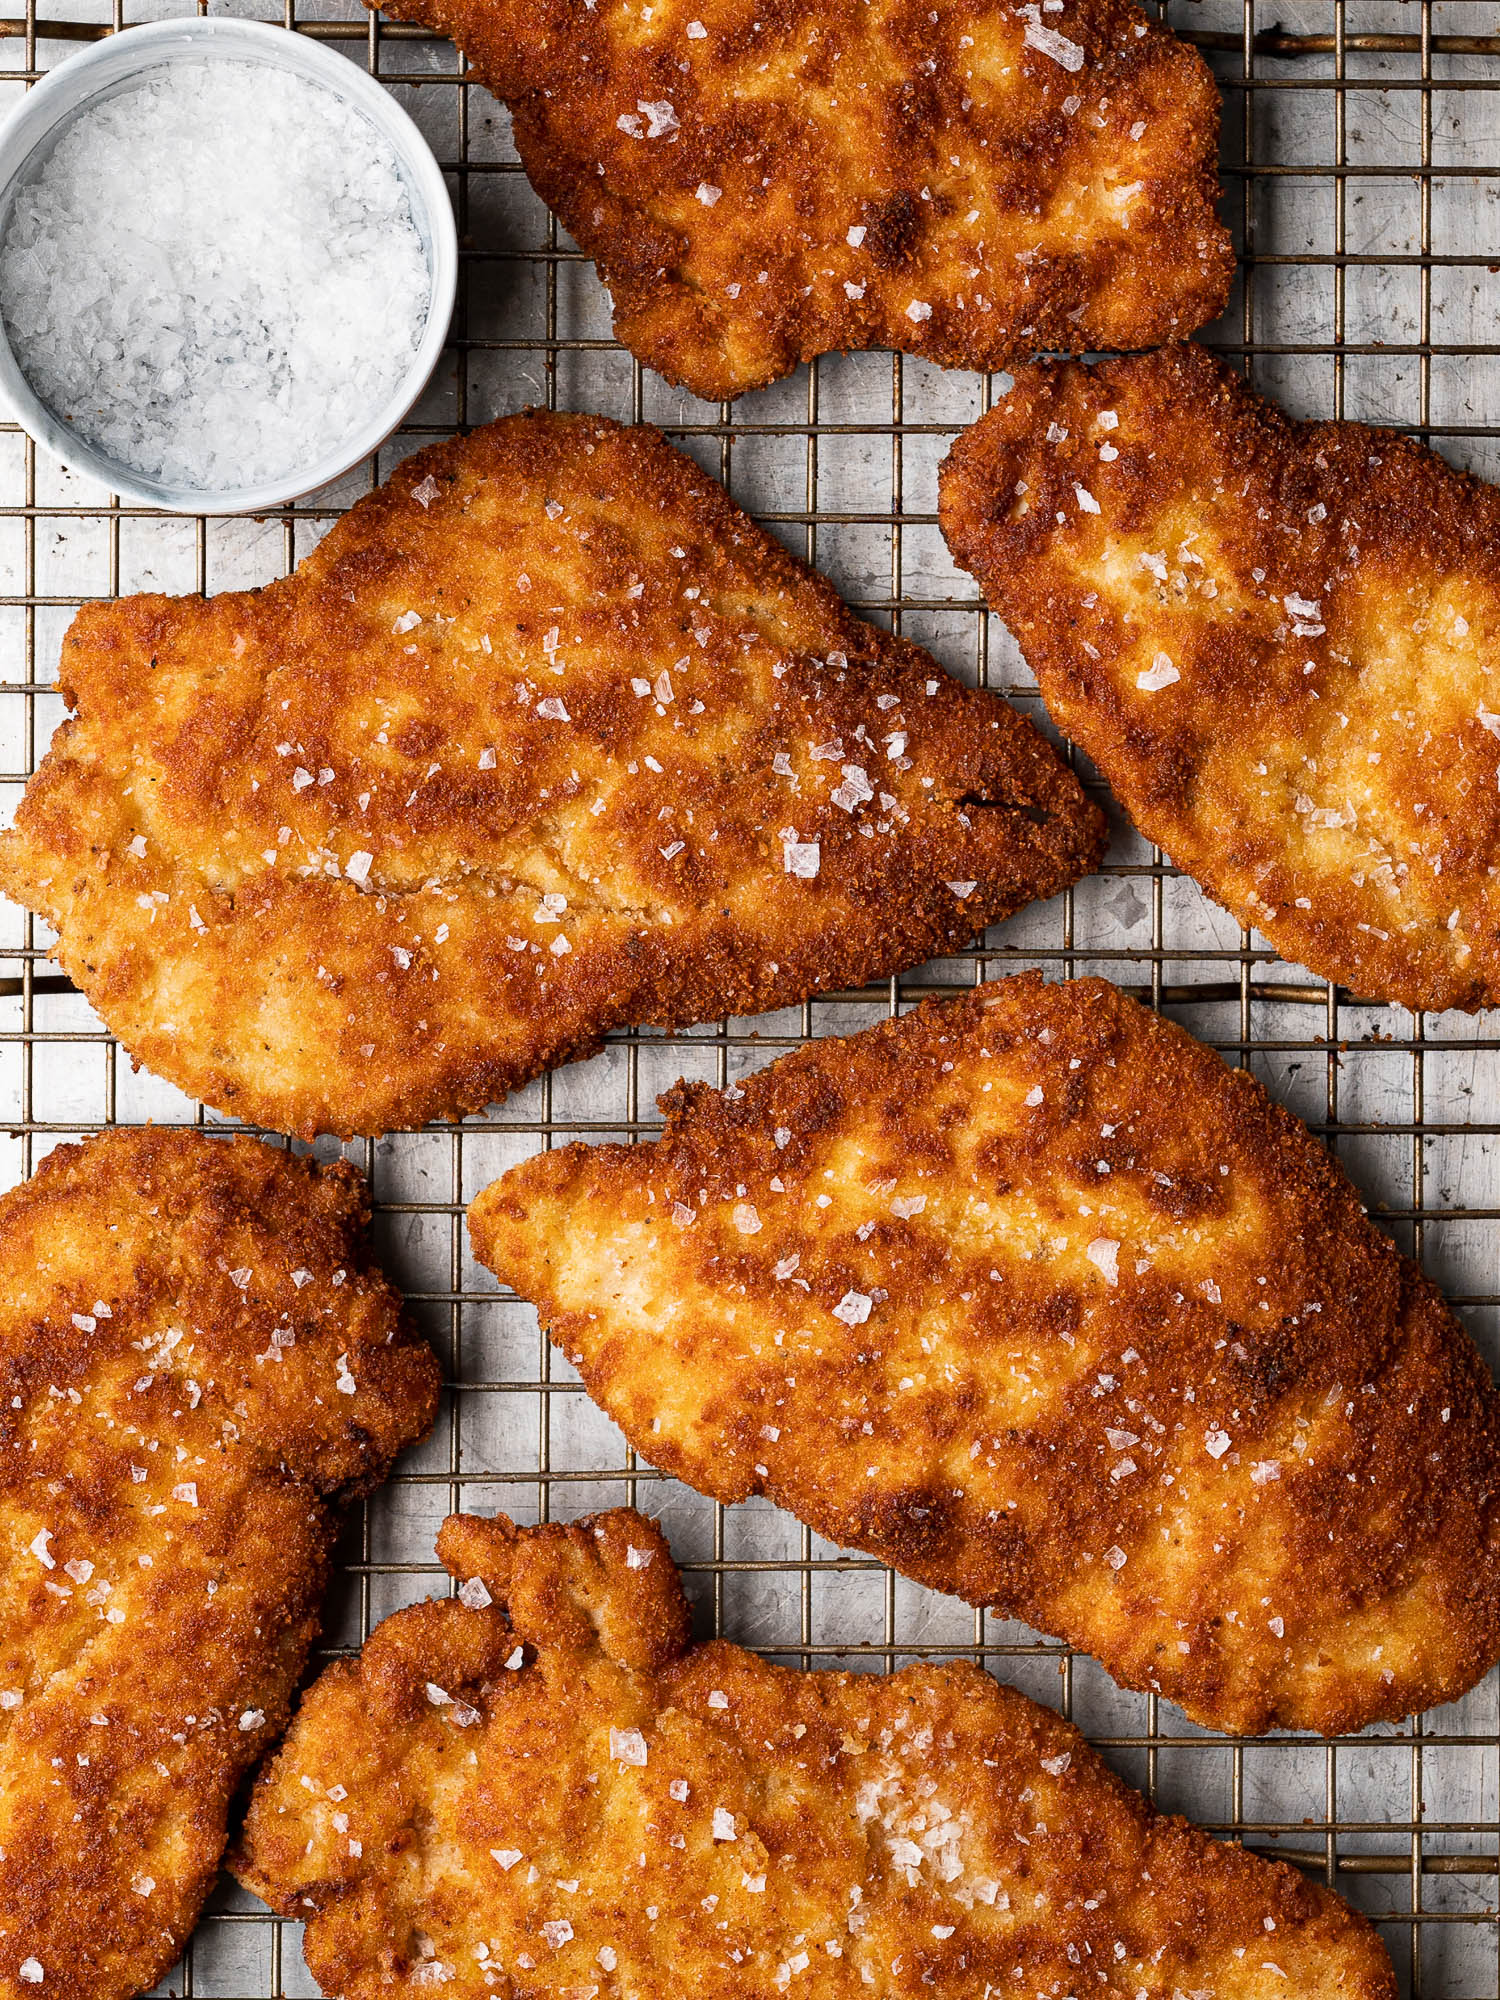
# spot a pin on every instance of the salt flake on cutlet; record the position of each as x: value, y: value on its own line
x: 627, y: 1746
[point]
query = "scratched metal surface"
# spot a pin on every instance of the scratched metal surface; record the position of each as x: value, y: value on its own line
x: 1362, y: 173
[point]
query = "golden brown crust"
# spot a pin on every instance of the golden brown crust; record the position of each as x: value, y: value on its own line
x: 584, y: 1824
x: 198, y: 1362
x: 531, y: 747
x: 1277, y: 642
x: 1033, y: 1298
x: 760, y: 181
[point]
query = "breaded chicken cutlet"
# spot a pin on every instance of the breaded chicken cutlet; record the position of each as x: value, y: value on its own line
x: 546, y: 738
x: 571, y: 1800
x: 1278, y: 641
x: 1030, y: 1296
x: 199, y: 1364
x: 761, y: 182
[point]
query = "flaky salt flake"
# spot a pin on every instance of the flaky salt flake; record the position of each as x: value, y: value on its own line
x: 187, y: 1493
x: 31, y: 1972
x: 682, y: 1215
x: 1216, y: 1443
x: 855, y: 789
x: 344, y: 1382
x: 724, y: 1824
x: 660, y: 115
x: 708, y: 194
x: 407, y: 622
x: 1085, y: 499
x: 251, y: 1718
x: 638, y: 1558
x: 427, y: 492
x: 942, y: 1930
x: 801, y: 858
x: 607, y: 1957
x: 627, y: 1746
x: 1105, y: 1253
x: 1263, y: 1471
x: 746, y: 1219
x: 717, y: 1698
x: 39, y: 1549
x: 85, y: 1322
x: 473, y: 1595
x: 1161, y: 673
x: 1114, y: 1555
x: 919, y: 310
x: 753, y: 1885
x: 1033, y: 1096
x: 558, y: 1933
x: 853, y: 1308
x: 439, y: 1697
x: 506, y: 1856
x: 855, y: 236
x: 1277, y: 1627
x: 905, y: 1206
x: 553, y: 709
x: 963, y: 890
x: 144, y: 1885
x: 1055, y: 1766
x: 357, y: 867
x: 1047, y: 41
x: 11, y: 1698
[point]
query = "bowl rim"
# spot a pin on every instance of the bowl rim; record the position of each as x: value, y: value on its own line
x: 63, y: 93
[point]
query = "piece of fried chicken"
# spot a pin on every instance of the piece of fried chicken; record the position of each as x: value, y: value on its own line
x: 1278, y: 641
x: 199, y: 1364
x: 546, y: 738
x: 572, y: 1800
x: 1032, y: 1297
x: 761, y: 184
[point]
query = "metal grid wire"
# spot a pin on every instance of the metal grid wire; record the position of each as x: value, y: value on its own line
x: 1362, y: 165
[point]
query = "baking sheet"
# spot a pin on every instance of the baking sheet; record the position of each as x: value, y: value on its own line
x: 1363, y: 184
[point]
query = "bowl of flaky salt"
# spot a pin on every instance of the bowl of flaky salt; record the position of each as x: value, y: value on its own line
x: 227, y: 264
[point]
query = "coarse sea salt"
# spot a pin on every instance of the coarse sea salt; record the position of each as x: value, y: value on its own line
x: 215, y: 276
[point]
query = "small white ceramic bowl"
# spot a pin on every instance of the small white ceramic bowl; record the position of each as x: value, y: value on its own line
x: 50, y: 105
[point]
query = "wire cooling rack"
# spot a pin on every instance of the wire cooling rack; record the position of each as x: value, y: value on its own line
x: 1362, y: 173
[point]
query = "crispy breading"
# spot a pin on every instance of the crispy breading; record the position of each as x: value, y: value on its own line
x: 1278, y: 641
x: 199, y: 1364
x: 760, y: 182
x: 572, y: 1801
x: 546, y: 738
x: 1032, y: 1297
